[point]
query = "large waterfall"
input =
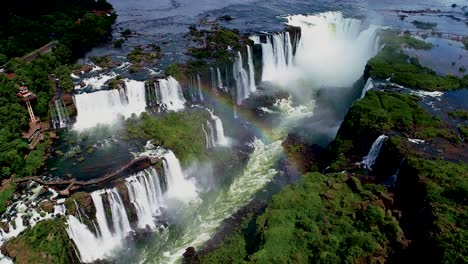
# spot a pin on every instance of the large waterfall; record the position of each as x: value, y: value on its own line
x: 99, y: 245
x: 61, y: 119
x: 171, y: 97
x: 277, y: 56
x: 374, y: 152
x: 147, y: 192
x: 242, y: 80
x: 332, y: 51
x: 178, y: 187
x: 252, y: 86
x: 214, y: 132
x: 105, y: 107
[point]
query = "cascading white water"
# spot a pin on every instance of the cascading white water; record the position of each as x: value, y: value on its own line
x: 208, y: 138
x: 119, y: 215
x: 200, y: 93
x: 242, y: 80
x: 178, y: 187
x: 213, y: 77
x: 277, y: 55
x: 252, y: 86
x: 91, y: 246
x: 145, y: 194
x: 220, y: 79
x: 219, y: 136
x: 367, y: 87
x: 105, y: 107
x: 332, y: 51
x: 61, y: 112
x: 211, y: 133
x: 374, y: 152
x: 171, y: 94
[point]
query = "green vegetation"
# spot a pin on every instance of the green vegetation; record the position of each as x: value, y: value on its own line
x: 47, y: 242
x: 406, y: 40
x: 424, y: 25
x: 138, y: 55
x: 392, y: 63
x: 180, y: 132
x: 6, y: 195
x: 381, y: 112
x: 459, y: 114
x: 28, y: 25
x: 322, y: 219
x: 464, y: 131
x: 215, y: 43
x: 445, y: 188
x: 118, y: 43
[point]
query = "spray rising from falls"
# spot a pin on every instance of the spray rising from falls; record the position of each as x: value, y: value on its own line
x: 61, y: 119
x: 367, y: 87
x: 99, y: 245
x: 171, y: 96
x: 105, y: 107
x: 147, y: 192
x: 374, y: 152
x: 214, y: 132
x: 332, y: 51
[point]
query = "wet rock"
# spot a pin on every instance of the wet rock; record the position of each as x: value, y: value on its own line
x: 5, y: 227
x: 355, y: 184
x: 190, y: 256
x: 47, y: 206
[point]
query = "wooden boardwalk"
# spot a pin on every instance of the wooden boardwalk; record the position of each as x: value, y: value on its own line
x: 73, y: 183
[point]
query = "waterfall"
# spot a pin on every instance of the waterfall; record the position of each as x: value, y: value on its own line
x: 178, y: 187
x: 368, y: 86
x: 220, y: 79
x: 62, y: 114
x: 332, y: 51
x: 391, y: 181
x: 374, y: 152
x: 119, y: 215
x: 97, y: 246
x: 105, y: 107
x: 200, y: 93
x: 145, y: 194
x: 211, y: 140
x: 208, y: 138
x: 213, y: 77
x: 242, y: 80
x: 171, y: 97
x: 252, y: 87
x: 278, y: 55
x: 221, y: 139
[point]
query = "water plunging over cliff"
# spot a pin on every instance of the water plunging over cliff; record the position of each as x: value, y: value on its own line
x: 171, y: 97
x: 374, y: 152
x: 61, y: 119
x: 145, y: 192
x: 242, y: 80
x: 214, y: 132
x: 332, y: 51
x: 105, y: 107
x: 99, y: 245
x: 178, y: 187
x: 367, y: 87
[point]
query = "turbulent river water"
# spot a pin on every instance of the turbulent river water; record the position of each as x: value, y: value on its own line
x: 318, y: 72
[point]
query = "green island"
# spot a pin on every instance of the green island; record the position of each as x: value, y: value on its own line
x: 391, y: 63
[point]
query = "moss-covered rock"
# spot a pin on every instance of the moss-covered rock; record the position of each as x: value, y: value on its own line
x: 392, y: 63
x: 47, y: 242
x: 319, y: 220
